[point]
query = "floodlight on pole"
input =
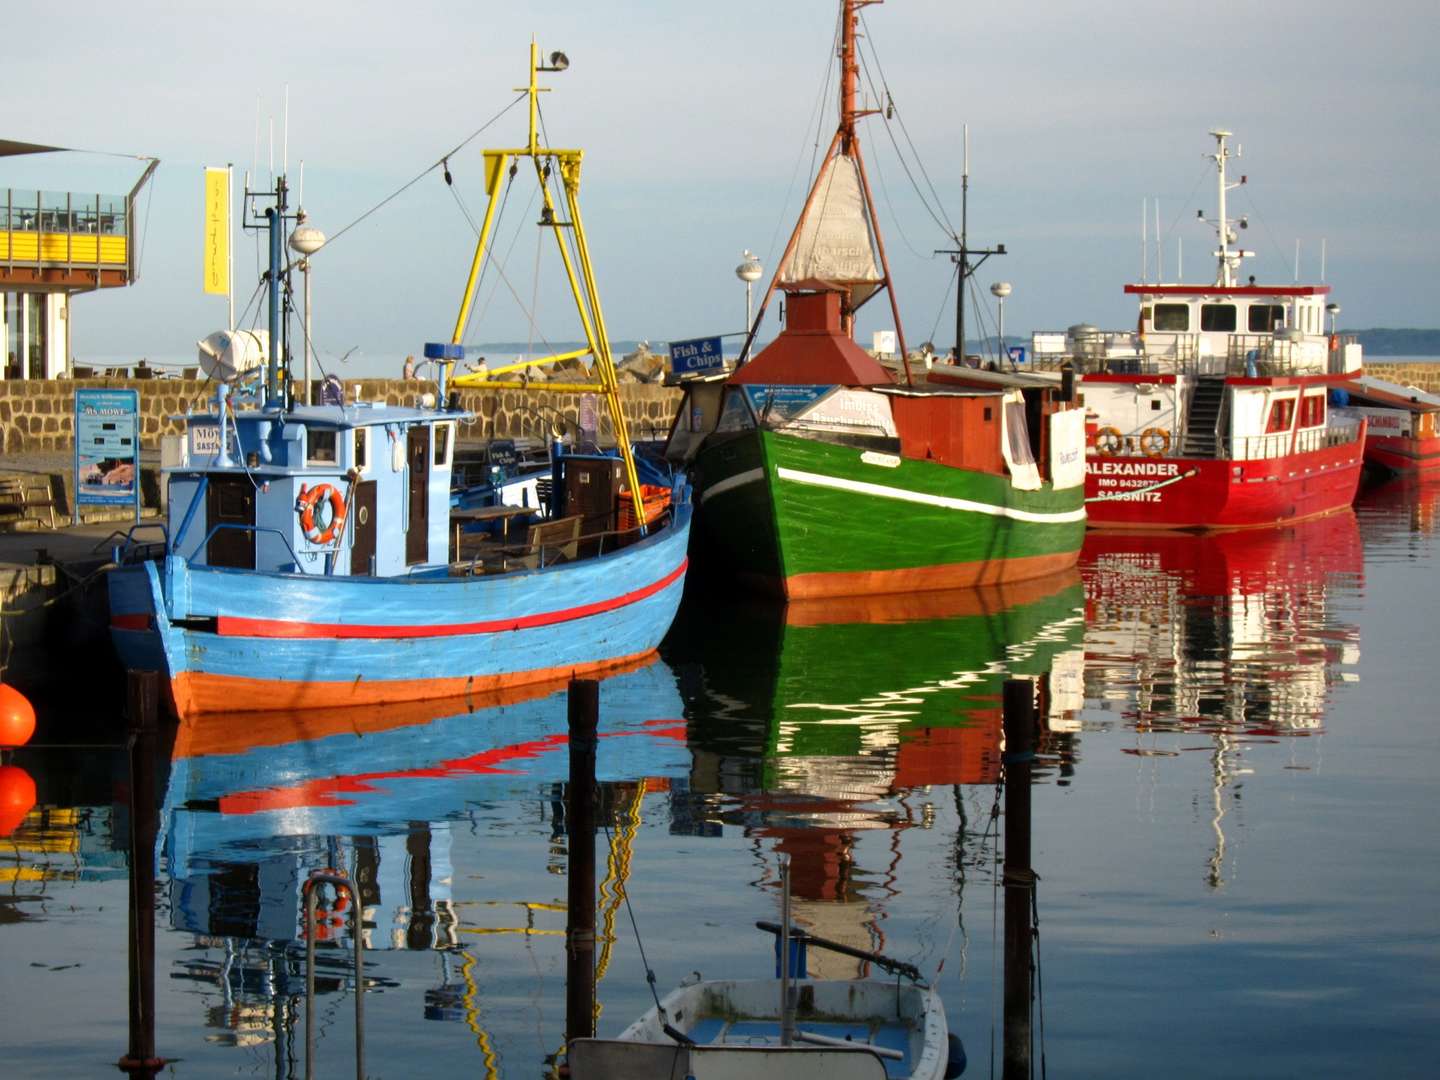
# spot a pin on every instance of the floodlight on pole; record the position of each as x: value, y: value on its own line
x: 306, y: 240
x: 749, y: 271
x: 1000, y: 290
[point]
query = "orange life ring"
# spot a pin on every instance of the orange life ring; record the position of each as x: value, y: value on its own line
x: 1108, y: 440
x: 309, y: 499
x: 1154, y: 442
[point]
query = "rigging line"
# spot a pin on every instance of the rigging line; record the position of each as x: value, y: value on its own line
x: 1279, y: 251
x: 482, y: 311
x: 894, y: 216
x: 425, y: 172
x: 817, y: 118
x: 944, y: 304
x: 939, y: 218
x: 485, y: 269
x: 1189, y: 201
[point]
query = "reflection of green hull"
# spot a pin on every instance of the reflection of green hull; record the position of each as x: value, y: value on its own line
x: 809, y: 518
x: 841, y: 679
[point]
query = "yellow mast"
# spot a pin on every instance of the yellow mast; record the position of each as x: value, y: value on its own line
x: 582, y: 284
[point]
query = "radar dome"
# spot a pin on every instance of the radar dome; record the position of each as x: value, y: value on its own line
x: 228, y: 354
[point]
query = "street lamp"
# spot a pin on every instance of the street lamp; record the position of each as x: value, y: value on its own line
x: 749, y: 272
x: 306, y: 240
x: 1332, y: 309
x: 1000, y: 290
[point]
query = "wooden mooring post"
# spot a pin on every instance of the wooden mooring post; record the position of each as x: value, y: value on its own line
x: 584, y: 718
x: 142, y: 709
x: 1019, y: 877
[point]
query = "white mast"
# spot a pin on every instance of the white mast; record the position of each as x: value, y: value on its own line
x: 1229, y: 259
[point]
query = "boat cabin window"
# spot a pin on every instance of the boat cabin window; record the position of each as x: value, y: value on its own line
x: 320, y: 447
x: 1266, y: 318
x: 443, y: 434
x: 1172, y: 317
x: 1312, y: 410
x: 362, y: 449
x: 1217, y: 318
x: 1281, y: 413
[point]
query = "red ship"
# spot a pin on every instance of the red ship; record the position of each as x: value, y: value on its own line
x: 1215, y: 412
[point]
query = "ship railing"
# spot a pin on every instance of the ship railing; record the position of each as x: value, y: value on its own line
x: 1123, y: 352
x: 538, y: 553
x: 255, y: 529
x: 1337, y: 431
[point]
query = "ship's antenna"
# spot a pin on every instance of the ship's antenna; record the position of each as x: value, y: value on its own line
x: 1144, y: 239
x: 1159, y: 246
x: 1297, y: 260
x: 285, y: 136
x: 1322, y: 258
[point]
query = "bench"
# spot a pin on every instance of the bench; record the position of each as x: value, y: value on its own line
x: 15, y: 499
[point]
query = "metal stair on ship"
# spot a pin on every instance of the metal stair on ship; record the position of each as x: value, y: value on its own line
x: 1202, y: 424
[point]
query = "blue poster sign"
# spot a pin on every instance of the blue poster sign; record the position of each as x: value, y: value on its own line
x: 107, y: 449
x: 779, y: 403
x: 699, y: 354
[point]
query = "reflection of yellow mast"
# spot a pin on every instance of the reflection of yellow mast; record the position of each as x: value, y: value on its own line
x: 578, y: 271
x: 612, y: 895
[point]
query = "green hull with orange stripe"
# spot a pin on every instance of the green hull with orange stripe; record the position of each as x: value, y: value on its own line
x: 808, y: 518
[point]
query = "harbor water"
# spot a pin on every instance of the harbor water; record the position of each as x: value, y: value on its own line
x: 1231, y: 808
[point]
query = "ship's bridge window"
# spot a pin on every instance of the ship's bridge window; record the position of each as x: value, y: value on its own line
x: 320, y: 447
x: 1266, y: 318
x: 1217, y: 318
x: 362, y: 448
x: 1172, y: 317
x: 1312, y: 410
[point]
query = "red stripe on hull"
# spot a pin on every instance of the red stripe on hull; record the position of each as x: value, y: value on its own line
x: 917, y: 579
x: 130, y: 622
x: 195, y: 693
x: 1268, y: 491
x: 235, y: 626
x: 1403, y: 456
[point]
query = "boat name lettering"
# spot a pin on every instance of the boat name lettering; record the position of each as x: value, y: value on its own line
x: 1132, y: 468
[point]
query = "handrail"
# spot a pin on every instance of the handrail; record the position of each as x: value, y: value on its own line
x: 248, y: 528
x: 336, y: 881
x: 123, y: 548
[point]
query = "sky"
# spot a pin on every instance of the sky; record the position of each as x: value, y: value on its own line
x: 700, y: 123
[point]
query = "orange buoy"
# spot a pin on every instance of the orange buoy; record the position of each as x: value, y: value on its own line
x: 17, y: 717
x: 17, y: 796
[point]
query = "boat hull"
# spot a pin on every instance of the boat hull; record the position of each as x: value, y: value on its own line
x: 236, y: 640
x: 1403, y: 455
x: 805, y: 519
x: 735, y: 1032
x: 1128, y: 492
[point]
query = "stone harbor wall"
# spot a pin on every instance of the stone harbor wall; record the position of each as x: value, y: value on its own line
x: 1425, y: 376
x: 39, y: 415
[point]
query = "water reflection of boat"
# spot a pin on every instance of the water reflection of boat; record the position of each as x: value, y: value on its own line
x: 811, y: 724
x: 1229, y: 635
x: 847, y: 701
x: 1231, y: 630
x: 252, y: 808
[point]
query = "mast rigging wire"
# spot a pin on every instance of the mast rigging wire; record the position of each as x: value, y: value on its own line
x: 938, y: 211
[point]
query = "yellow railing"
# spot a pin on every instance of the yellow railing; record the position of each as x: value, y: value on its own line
x: 84, y: 249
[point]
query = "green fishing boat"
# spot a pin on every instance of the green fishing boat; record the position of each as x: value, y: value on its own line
x: 821, y: 472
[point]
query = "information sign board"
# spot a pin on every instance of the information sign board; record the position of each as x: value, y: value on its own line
x: 107, y: 449
x: 698, y: 354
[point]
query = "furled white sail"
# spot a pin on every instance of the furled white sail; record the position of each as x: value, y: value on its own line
x: 835, y: 244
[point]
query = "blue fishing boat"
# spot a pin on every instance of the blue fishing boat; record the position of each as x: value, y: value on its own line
x: 312, y: 557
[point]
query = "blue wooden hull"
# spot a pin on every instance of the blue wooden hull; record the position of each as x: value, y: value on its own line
x: 237, y: 640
